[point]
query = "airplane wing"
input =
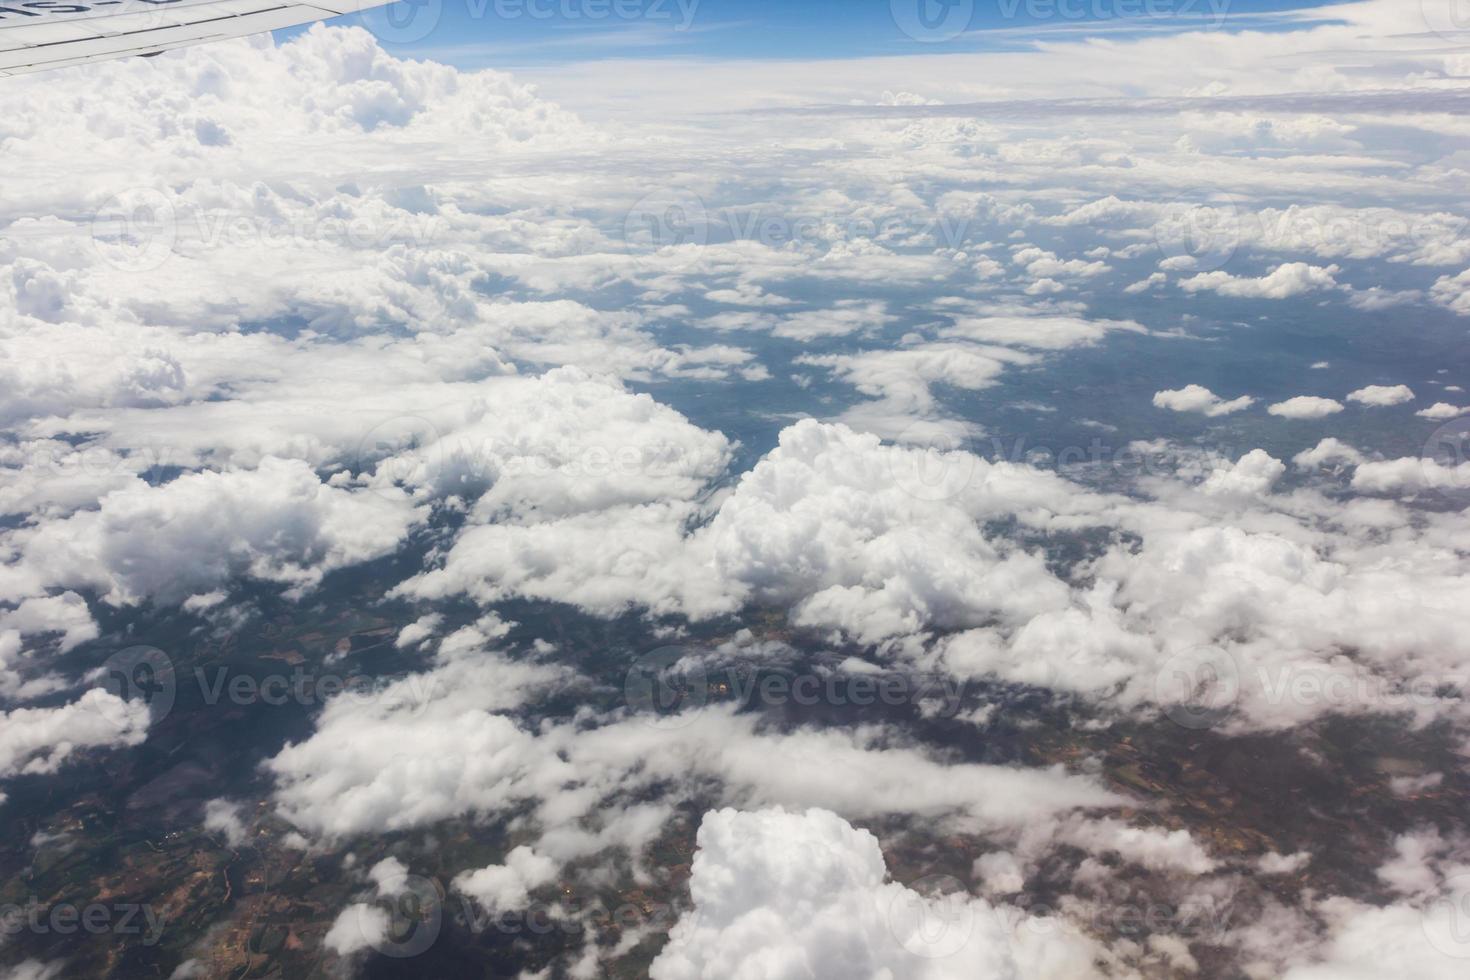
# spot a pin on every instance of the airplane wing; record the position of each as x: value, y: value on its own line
x: 39, y: 34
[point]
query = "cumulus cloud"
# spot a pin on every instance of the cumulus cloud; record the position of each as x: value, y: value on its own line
x: 780, y: 894
x: 42, y: 740
x: 1440, y: 411
x: 1273, y: 863
x: 451, y: 742
x: 1453, y: 292
x: 1411, y: 475
x: 833, y: 524
x: 223, y: 817
x: 1139, y: 625
x: 1306, y: 407
x: 506, y: 887
x: 590, y: 492
x: 846, y: 532
x: 1149, y: 847
x: 446, y: 745
x: 903, y: 382
x: 64, y: 614
x: 1368, y: 941
x: 358, y: 927
x: 1196, y: 398
x: 1253, y: 475
x: 1327, y: 451
x: 1284, y: 282
x: 277, y: 523
x: 418, y: 631
x: 1382, y: 395
x: 1046, y: 266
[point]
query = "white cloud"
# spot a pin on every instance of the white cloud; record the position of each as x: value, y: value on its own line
x: 444, y: 745
x: 1373, y: 942
x: 1045, y: 265
x: 1440, y: 411
x: 1382, y: 395
x: 42, y: 740
x: 223, y: 817
x: 1411, y: 475
x: 846, y: 532
x: 1273, y: 863
x: 1284, y: 282
x: 1453, y: 292
x: 1139, y: 624
x: 506, y: 887
x: 1306, y: 407
x: 1329, y: 450
x: 277, y: 523
x: 1149, y: 847
x: 1043, y: 332
x: 65, y: 614
x: 418, y: 631
x: 1196, y: 398
x: 357, y: 927
x: 1045, y: 287
x: 842, y: 319
x: 1410, y: 871
x: 1253, y: 475
x: 779, y: 894
x: 1144, y: 285
x: 34, y: 970
x: 903, y: 381
x: 746, y: 294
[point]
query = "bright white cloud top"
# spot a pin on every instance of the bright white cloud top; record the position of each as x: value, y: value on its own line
x: 1196, y: 398
x: 1306, y: 407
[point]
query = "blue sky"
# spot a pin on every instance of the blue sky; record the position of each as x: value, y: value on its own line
x: 512, y: 33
